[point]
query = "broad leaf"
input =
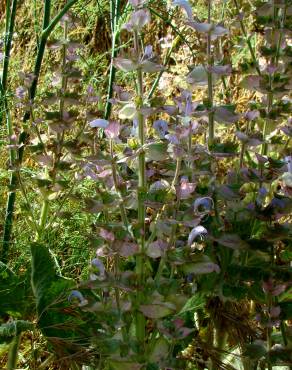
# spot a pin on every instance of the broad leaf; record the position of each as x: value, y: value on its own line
x: 157, y: 311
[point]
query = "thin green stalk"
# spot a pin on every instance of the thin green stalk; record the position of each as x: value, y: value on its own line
x: 13, y: 353
x: 8, y: 222
x: 210, y: 83
x: 44, y: 216
x: 10, y: 22
x: 140, y: 319
x: 8, y: 12
x: 60, y: 137
x: 40, y: 55
x: 117, y: 188
x: 50, y: 27
x: 172, y: 238
x: 115, y: 14
x: 281, y: 34
x: 242, y: 151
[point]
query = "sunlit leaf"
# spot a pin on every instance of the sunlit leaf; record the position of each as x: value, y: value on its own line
x: 198, y: 76
x: 129, y: 111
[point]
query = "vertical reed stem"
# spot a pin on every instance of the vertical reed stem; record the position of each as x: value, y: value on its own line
x: 115, y: 14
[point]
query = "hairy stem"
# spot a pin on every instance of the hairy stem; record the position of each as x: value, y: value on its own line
x: 140, y: 319
x: 210, y: 83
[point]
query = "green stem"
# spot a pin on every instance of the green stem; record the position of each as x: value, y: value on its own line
x: 10, y: 22
x: 172, y: 238
x: 115, y: 15
x: 8, y: 222
x: 242, y: 155
x: 140, y: 319
x: 13, y: 353
x: 210, y: 83
x: 117, y: 188
x: 43, y: 217
x: 50, y: 27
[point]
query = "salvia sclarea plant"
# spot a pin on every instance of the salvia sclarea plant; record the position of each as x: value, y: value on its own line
x: 194, y: 261
x: 192, y: 267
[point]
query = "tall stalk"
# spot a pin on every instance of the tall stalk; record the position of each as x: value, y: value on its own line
x: 60, y: 137
x: 10, y: 22
x: 115, y: 8
x: 140, y: 320
x: 13, y: 353
x: 210, y: 83
x: 47, y: 28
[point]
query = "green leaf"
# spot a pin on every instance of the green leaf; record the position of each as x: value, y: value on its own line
x: 193, y: 304
x: 157, y: 151
x: 51, y: 291
x: 202, y: 265
x: 157, y: 311
x: 160, y: 351
x: 12, y: 290
x: 129, y: 111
